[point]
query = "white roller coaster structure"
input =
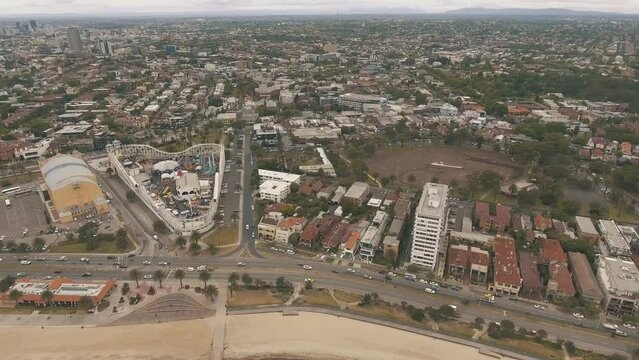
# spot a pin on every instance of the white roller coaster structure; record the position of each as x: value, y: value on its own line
x: 185, y: 226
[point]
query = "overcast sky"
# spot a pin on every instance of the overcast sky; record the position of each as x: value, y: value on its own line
x: 288, y: 6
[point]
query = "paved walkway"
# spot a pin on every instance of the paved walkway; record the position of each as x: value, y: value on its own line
x: 219, y: 321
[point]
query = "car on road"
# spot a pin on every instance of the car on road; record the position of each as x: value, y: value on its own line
x: 163, y: 263
x: 131, y: 255
x: 63, y: 258
x: 146, y: 262
x: 335, y: 271
x: 391, y: 274
x: 241, y: 263
x: 87, y: 274
x: 456, y: 288
x: 433, y: 283
x: 21, y: 274
x: 25, y: 262
x: 253, y: 235
x: 307, y: 267
x: 190, y: 269
x: 578, y: 315
x: 366, y: 276
x: 540, y: 307
x: 155, y: 237
x: 618, y: 332
x: 629, y: 326
x: 290, y: 252
x: 247, y: 226
x: 423, y: 281
x: 388, y: 277
x: 57, y: 271
x: 273, y: 248
x: 308, y: 280
x: 350, y: 270
x: 202, y: 268
x: 83, y: 259
x: 430, y: 291
x: 148, y: 276
x: 48, y: 277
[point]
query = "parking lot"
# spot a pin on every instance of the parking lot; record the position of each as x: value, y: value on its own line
x: 26, y: 212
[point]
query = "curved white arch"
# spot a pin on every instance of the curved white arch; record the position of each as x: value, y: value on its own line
x: 201, y: 223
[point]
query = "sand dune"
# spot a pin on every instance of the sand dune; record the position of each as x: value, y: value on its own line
x: 180, y: 340
x: 319, y: 336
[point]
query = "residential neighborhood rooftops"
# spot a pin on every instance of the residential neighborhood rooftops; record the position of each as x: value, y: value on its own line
x: 585, y: 225
x: 551, y: 251
x: 585, y: 280
x: 506, y: 269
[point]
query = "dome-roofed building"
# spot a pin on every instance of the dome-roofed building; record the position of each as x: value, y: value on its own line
x: 69, y: 188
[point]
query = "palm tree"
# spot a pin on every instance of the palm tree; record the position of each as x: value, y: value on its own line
x: 15, y: 295
x: 205, y: 276
x: 134, y: 274
x: 233, y: 278
x: 158, y: 276
x: 46, y: 296
x: 180, y: 241
x: 179, y: 274
x: 210, y: 291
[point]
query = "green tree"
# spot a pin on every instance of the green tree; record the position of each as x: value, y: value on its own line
x: 180, y: 241
x: 412, y: 268
x: 85, y: 303
x: 134, y: 275
x: 233, y: 278
x: 15, y: 295
x: 160, y: 227
x: 479, y: 323
x: 195, y: 236
x: 131, y: 196
x: 158, y: 276
x: 179, y: 274
x: 210, y: 291
x: 46, y: 296
x: 204, y: 276
x: 37, y: 244
x: 247, y: 279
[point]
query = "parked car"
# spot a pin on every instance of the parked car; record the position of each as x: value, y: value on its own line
x: 146, y: 262
x: 629, y: 326
x: 618, y: 332
x: 578, y: 315
x: 350, y: 270
x: 25, y: 262
x: 430, y: 291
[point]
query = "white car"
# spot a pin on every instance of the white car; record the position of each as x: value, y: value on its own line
x: 241, y: 263
x: 307, y: 267
x: 163, y: 263
x: 155, y: 237
x: 148, y: 277
x: 146, y: 262
x: 83, y: 259
x: 63, y: 258
x: 578, y: 315
x: 308, y: 280
x: 433, y: 283
x: 290, y: 252
x: 423, y: 281
x: 629, y: 326
x: 366, y: 276
x: 430, y: 291
x: 201, y: 268
x: 392, y: 274
x: 540, y: 307
x: 190, y: 269
x: 48, y: 277
x: 350, y: 270
x: 21, y: 274
x: 25, y: 262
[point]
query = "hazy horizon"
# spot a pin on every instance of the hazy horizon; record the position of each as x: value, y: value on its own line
x: 289, y: 7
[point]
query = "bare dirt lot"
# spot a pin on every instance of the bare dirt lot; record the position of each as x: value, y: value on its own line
x: 441, y: 161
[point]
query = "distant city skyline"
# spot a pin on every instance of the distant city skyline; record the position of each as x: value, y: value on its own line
x: 272, y: 7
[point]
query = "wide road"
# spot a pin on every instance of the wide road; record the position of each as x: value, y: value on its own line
x: 555, y: 323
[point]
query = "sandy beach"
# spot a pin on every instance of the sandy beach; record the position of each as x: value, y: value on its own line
x: 319, y: 336
x: 179, y: 340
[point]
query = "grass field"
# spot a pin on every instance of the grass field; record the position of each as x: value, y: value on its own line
x: 458, y: 329
x: 347, y: 297
x: 107, y: 247
x: 226, y: 235
x: 243, y: 298
x: 526, y: 347
x: 319, y: 297
x: 16, y: 310
x: 385, y: 312
x: 56, y: 311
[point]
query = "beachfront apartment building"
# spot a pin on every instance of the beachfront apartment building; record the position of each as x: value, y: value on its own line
x: 429, y: 229
x: 265, y: 175
x: 507, y: 277
x: 619, y: 282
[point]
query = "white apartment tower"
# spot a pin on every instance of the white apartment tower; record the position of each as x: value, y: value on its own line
x: 429, y: 228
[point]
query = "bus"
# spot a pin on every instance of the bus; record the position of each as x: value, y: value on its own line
x: 10, y: 190
x: 7, y: 202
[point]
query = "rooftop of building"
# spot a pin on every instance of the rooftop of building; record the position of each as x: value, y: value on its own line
x: 282, y: 176
x: 433, y: 200
x: 357, y: 190
x: 585, y: 225
x: 506, y: 269
x: 551, y: 251
x: 63, y: 170
x: 529, y: 272
x: 583, y: 275
x: 619, y: 275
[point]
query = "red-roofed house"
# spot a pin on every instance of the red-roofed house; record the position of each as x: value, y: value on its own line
x: 542, y: 222
x: 352, y: 243
x: 491, y: 216
x: 289, y: 226
x: 467, y: 265
x: 560, y: 283
x: 334, y: 236
x: 626, y: 148
x: 551, y: 251
x: 310, y: 234
x: 457, y: 262
x: 66, y: 292
x: 507, y: 278
x: 532, y: 286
